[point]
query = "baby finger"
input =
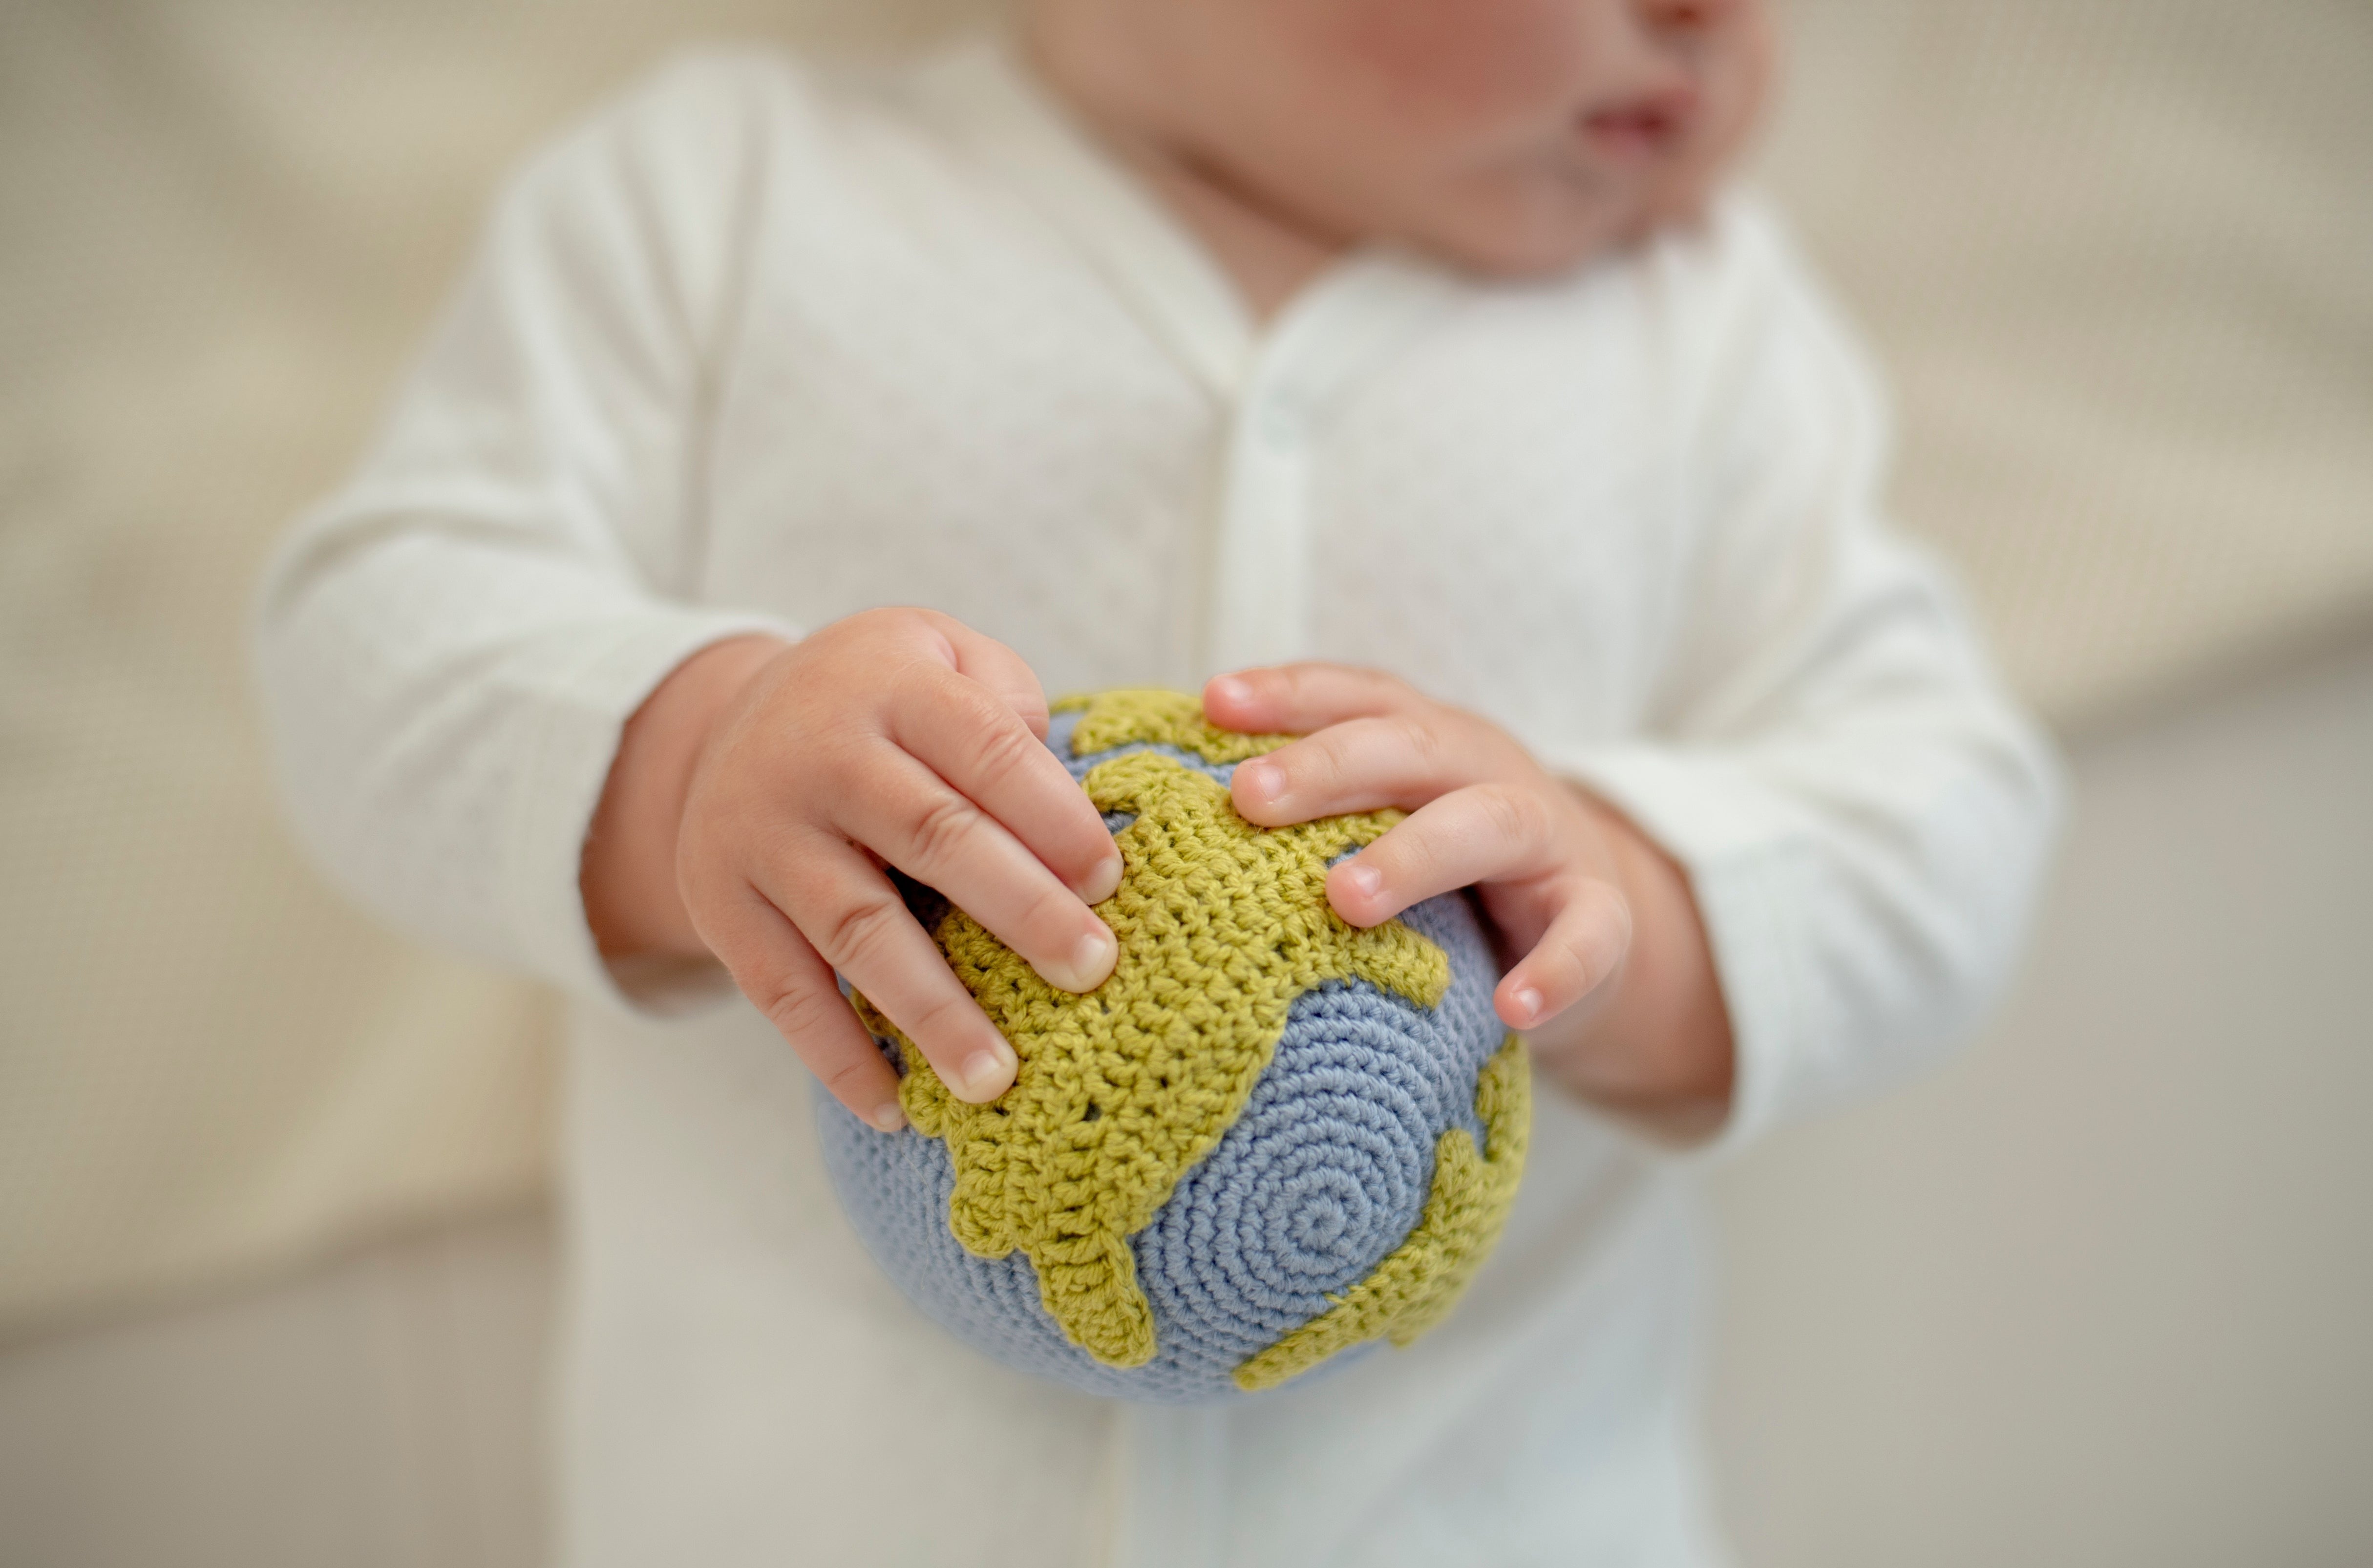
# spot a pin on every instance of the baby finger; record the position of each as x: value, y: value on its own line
x: 988, y: 662
x: 1401, y: 759
x: 1584, y: 945
x: 858, y: 924
x: 1482, y: 833
x: 781, y: 975
x: 964, y: 734
x: 912, y: 819
x: 1299, y: 699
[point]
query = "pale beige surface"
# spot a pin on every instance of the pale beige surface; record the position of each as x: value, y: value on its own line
x: 2098, y: 1294
x: 381, y: 1411
x: 2114, y: 253
x: 2117, y: 258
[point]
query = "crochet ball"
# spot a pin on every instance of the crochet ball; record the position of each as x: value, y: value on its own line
x: 1267, y: 1141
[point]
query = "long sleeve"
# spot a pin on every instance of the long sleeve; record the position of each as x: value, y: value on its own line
x: 1864, y: 814
x: 450, y: 647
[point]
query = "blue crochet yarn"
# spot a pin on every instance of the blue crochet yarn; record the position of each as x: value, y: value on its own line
x: 1323, y: 1175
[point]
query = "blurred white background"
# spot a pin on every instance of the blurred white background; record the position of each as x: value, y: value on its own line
x: 274, y: 1258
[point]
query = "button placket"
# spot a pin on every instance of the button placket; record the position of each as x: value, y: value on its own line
x: 1262, y: 577
x: 1280, y: 421
x: 1261, y: 585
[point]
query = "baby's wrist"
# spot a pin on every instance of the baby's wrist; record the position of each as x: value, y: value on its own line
x: 628, y: 877
x: 1655, y: 1046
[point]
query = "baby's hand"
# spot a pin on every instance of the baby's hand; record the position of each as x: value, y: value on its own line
x: 1565, y: 880
x: 1483, y: 814
x: 899, y: 738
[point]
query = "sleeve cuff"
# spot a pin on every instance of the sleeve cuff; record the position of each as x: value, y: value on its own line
x: 1736, y: 848
x: 567, y: 765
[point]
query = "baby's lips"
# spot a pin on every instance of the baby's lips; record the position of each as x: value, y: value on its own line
x: 1649, y: 124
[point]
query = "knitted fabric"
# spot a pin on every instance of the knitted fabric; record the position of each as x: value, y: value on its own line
x: 1268, y: 1138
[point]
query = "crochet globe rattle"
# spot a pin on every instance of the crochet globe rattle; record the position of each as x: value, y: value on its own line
x: 1267, y: 1141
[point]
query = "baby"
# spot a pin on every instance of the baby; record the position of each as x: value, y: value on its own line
x: 1405, y: 362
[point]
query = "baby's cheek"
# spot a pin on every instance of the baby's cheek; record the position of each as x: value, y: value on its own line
x: 1461, y: 61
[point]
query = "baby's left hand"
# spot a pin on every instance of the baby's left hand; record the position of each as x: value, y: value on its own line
x: 1483, y: 814
x: 1566, y: 880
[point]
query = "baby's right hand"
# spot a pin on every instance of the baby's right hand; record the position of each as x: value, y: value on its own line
x: 896, y: 737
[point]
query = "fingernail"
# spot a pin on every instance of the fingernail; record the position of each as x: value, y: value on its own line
x: 1260, y: 782
x: 1529, y: 1004
x: 1091, y: 961
x: 1366, y: 881
x: 986, y: 1075
x: 1103, y: 882
x: 888, y: 1117
x: 1227, y: 688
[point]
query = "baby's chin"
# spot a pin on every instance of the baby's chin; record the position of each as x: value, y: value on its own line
x: 1556, y: 209
x: 1546, y: 234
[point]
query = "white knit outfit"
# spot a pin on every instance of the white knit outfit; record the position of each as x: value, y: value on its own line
x: 759, y: 347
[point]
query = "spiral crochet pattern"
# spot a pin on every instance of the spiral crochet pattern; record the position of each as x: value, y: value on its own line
x: 1269, y: 1140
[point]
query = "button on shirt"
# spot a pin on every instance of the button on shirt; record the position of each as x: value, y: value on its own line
x: 761, y: 346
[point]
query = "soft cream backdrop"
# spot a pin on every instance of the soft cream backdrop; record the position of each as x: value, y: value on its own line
x: 2118, y: 256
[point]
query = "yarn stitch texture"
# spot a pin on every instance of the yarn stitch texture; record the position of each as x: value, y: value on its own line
x: 1416, y: 1287
x: 1262, y: 1141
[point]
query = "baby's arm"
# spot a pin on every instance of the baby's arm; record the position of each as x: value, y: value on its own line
x: 1840, y: 818
x: 1865, y: 811
x: 452, y: 648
